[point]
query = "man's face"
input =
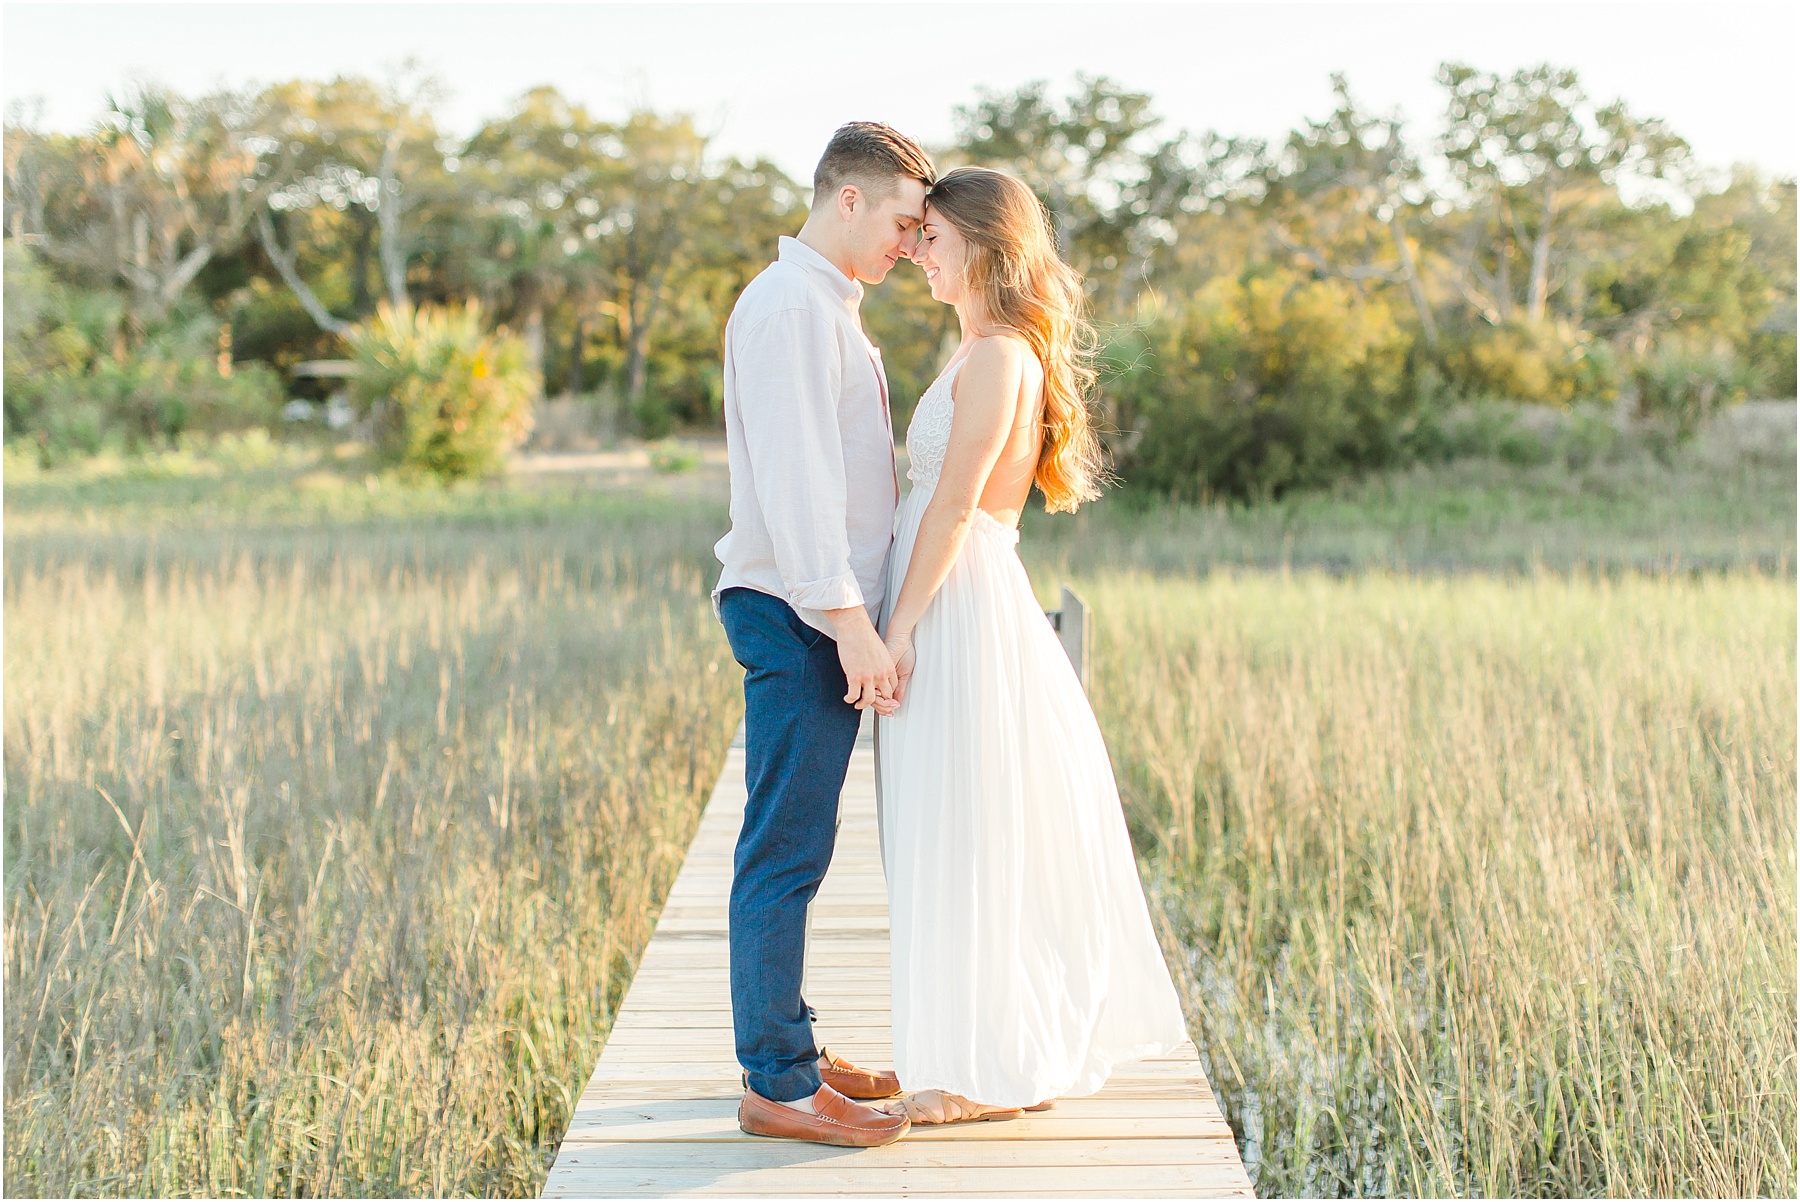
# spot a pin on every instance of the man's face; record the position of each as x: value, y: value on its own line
x: 882, y: 229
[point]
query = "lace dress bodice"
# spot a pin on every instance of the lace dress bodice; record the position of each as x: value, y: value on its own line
x: 928, y: 434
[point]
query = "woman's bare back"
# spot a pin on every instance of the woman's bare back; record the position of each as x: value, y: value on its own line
x: 1008, y: 486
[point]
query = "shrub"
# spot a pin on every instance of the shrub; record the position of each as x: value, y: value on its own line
x: 653, y: 417
x: 1549, y: 362
x: 1681, y: 388
x: 1258, y: 386
x: 1523, y: 435
x: 1477, y: 430
x: 672, y: 458
x: 76, y: 382
x: 445, y: 396
x: 149, y: 402
x: 1771, y: 353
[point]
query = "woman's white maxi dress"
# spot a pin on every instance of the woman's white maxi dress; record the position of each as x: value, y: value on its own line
x: 1024, y: 962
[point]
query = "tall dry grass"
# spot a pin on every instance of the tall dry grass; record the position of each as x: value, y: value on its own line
x: 337, y: 815
x: 1475, y: 886
x: 329, y: 853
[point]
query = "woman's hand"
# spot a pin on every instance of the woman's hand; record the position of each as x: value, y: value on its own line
x: 900, y: 646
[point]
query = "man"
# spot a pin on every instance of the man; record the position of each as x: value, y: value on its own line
x: 813, y: 491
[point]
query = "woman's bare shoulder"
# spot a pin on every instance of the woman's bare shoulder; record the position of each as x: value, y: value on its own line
x: 991, y: 373
x: 998, y: 357
x: 1003, y: 346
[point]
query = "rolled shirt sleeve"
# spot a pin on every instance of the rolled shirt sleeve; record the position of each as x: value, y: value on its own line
x: 788, y: 369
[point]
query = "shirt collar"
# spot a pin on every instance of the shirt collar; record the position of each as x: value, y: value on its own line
x: 792, y: 250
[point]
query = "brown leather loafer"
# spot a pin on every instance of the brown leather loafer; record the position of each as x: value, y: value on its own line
x: 864, y: 1084
x: 837, y: 1120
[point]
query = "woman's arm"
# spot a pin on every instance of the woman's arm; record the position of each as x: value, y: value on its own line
x: 987, y: 398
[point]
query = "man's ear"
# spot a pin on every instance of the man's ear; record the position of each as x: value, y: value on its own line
x: 849, y: 199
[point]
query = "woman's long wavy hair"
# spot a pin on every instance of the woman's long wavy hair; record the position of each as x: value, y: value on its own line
x: 1015, y: 273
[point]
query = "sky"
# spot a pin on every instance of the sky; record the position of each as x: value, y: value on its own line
x: 776, y: 79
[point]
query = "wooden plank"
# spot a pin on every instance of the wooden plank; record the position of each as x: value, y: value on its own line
x: 656, y: 1191
x: 636, y: 1068
x: 644, y: 1107
x: 701, y: 965
x: 717, y: 1118
x: 1150, y: 1100
x: 587, y: 1173
x: 659, y: 1116
x: 843, y: 953
x: 914, y: 1154
x: 848, y: 1021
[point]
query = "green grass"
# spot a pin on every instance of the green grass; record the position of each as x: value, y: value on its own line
x: 338, y: 811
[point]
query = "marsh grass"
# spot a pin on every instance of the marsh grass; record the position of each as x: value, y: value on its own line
x: 330, y: 849
x: 338, y: 812
x: 1475, y: 886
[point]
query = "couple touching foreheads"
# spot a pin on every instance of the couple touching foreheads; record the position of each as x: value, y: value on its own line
x: 1024, y: 962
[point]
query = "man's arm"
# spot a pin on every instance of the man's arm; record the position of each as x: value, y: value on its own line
x: 787, y: 378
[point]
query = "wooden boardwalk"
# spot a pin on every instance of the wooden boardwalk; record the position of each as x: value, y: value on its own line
x: 659, y: 1116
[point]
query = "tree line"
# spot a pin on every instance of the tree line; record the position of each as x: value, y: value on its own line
x: 1274, y: 312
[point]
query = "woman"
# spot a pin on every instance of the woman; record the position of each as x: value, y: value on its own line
x: 1024, y: 962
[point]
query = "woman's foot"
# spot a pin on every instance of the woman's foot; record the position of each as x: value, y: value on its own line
x: 933, y: 1107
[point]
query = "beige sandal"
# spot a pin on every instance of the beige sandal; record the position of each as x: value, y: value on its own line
x: 935, y: 1107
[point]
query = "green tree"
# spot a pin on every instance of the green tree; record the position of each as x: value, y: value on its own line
x: 535, y: 182
x: 740, y: 212
x: 642, y: 229
x: 1341, y: 196
x: 366, y: 159
x: 1763, y: 210
x: 1204, y: 198
x: 1531, y: 149
x: 159, y: 189
x: 1086, y: 158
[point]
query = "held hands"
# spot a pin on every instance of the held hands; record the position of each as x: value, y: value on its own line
x: 868, y: 668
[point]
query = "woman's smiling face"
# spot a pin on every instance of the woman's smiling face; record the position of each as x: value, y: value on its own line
x: 941, y: 251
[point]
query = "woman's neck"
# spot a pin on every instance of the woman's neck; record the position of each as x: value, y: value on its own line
x: 974, y: 321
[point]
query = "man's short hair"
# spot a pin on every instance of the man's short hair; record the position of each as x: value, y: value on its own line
x: 872, y: 156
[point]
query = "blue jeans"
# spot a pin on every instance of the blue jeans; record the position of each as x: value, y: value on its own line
x: 798, y: 735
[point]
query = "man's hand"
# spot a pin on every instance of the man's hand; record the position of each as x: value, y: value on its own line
x: 868, y: 668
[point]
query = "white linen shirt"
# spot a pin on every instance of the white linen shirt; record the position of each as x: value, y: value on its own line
x: 809, y: 443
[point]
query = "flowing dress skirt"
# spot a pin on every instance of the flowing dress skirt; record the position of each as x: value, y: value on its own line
x: 1024, y: 961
